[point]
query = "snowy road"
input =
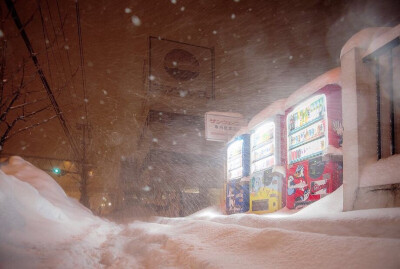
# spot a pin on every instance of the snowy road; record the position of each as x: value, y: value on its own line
x: 43, y: 228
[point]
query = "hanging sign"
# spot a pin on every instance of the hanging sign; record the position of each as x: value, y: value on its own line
x: 222, y: 126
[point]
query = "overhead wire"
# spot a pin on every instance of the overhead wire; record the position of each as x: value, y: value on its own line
x: 33, y: 56
x: 65, y: 41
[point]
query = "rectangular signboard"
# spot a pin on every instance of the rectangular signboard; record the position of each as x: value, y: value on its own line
x: 222, y: 126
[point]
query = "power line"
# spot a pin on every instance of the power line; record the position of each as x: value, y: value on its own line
x: 78, y: 20
x: 65, y: 41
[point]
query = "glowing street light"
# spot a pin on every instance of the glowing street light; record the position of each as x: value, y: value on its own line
x: 56, y: 170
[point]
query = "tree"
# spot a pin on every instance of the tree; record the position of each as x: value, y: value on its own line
x: 20, y: 108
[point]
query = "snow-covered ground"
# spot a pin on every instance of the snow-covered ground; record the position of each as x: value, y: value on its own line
x: 42, y: 228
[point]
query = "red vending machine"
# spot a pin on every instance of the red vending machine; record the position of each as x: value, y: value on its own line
x: 314, y: 136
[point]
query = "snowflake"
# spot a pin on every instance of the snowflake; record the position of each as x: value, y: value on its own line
x: 214, y: 32
x: 128, y: 10
x: 182, y: 9
x: 182, y: 93
x: 146, y: 188
x: 151, y: 77
x: 233, y: 16
x: 136, y: 21
x: 155, y: 140
x: 174, y: 1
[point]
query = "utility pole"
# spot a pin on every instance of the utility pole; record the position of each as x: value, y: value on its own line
x: 85, y: 166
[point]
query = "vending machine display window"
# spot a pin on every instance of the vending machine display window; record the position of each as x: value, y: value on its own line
x: 237, y: 167
x: 262, y: 146
x: 307, y: 127
x: 235, y: 160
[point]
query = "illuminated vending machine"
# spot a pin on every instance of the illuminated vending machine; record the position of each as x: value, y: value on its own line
x: 266, y: 172
x: 237, y: 167
x: 313, y: 143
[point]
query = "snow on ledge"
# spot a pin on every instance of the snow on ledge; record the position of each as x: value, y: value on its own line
x: 363, y: 39
x: 277, y: 107
x: 330, y: 77
x: 383, y: 39
x: 385, y: 171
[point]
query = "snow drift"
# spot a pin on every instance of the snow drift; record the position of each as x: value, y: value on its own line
x: 43, y: 228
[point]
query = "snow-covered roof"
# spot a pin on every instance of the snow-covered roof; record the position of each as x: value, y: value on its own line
x: 277, y: 107
x: 383, y: 39
x: 330, y: 77
x: 363, y: 39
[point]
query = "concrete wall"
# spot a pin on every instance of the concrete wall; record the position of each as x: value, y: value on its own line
x: 360, y: 138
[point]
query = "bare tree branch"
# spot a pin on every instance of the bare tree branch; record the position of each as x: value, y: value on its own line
x: 28, y: 103
x: 30, y: 127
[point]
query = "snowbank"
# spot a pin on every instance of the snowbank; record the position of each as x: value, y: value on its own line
x: 36, y: 215
x: 42, y: 228
x: 382, y: 172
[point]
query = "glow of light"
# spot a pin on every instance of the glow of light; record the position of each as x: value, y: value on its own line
x: 265, y: 127
x: 300, y: 107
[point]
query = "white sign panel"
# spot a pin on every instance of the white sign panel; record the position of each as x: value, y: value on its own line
x: 222, y: 126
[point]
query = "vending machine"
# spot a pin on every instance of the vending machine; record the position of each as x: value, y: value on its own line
x: 237, y: 172
x: 314, y: 136
x: 266, y: 172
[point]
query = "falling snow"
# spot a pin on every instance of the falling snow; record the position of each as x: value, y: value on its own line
x: 136, y: 21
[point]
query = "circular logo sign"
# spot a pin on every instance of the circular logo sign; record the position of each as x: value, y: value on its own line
x: 181, y: 65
